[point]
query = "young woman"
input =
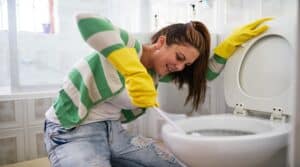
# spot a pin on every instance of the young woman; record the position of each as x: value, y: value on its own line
x: 117, y: 83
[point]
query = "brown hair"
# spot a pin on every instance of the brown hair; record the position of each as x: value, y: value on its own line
x: 197, y: 35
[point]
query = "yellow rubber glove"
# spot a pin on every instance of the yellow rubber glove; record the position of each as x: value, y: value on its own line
x: 138, y: 82
x: 226, y: 48
x: 104, y: 37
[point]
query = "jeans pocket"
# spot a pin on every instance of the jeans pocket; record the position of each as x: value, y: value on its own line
x: 57, y: 139
x: 58, y: 134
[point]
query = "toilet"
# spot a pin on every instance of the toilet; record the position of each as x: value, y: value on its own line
x: 258, y: 86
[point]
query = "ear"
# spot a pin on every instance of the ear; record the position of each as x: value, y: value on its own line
x: 161, y: 41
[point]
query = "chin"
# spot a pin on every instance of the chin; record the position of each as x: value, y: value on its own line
x: 163, y: 74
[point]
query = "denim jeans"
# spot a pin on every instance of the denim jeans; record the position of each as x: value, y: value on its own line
x: 102, y: 144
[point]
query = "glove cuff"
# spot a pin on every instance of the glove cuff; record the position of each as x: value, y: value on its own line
x: 225, y: 49
x: 126, y: 61
x: 143, y: 104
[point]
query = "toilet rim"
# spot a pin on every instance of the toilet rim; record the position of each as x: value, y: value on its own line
x: 277, y: 129
x: 272, y: 134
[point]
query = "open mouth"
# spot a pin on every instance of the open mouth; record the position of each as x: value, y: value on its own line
x: 170, y: 68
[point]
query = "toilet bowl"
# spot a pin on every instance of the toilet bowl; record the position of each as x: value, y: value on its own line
x: 227, y: 140
x: 258, y: 86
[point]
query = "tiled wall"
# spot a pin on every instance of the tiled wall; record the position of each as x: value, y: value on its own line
x: 21, y: 129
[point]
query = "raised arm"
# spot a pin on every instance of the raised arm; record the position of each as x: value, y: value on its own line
x: 104, y: 37
x: 227, y: 47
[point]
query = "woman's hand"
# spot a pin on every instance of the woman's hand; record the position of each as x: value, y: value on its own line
x: 139, y: 83
x: 226, y: 48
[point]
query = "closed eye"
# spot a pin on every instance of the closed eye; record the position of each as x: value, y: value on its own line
x: 181, y: 58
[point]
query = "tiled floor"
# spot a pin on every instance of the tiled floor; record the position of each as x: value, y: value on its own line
x: 41, y: 162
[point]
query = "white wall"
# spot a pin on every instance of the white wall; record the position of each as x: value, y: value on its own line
x: 295, y: 136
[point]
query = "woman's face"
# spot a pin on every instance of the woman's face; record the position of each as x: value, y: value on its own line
x: 168, y: 59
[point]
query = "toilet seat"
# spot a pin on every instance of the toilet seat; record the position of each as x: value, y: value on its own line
x: 258, y: 76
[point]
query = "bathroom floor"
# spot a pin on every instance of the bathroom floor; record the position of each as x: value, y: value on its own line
x: 44, y: 162
x: 40, y: 162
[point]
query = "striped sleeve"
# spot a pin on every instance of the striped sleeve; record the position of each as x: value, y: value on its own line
x: 92, y: 80
x: 130, y: 41
x: 95, y: 78
x: 99, y: 33
x: 103, y: 36
x: 215, y: 66
x: 120, y: 48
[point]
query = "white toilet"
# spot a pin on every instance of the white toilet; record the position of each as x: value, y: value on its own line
x: 258, y: 85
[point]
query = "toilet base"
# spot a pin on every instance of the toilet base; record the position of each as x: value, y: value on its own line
x: 278, y: 160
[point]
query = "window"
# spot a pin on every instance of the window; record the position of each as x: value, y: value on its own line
x: 3, y: 15
x: 40, y: 40
x: 34, y: 15
x: 4, y: 47
x: 43, y: 41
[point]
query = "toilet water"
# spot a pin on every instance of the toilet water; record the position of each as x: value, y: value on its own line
x: 219, y: 132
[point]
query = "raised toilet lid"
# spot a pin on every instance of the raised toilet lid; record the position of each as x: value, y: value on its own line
x: 260, y: 73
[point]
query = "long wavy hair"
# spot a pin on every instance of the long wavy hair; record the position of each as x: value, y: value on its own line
x: 197, y: 35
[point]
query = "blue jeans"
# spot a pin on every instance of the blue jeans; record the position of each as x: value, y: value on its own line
x: 102, y: 144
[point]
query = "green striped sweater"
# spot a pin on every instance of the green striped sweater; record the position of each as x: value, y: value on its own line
x: 94, y: 80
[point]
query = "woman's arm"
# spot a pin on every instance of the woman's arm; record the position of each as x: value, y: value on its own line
x: 101, y: 35
x: 227, y: 47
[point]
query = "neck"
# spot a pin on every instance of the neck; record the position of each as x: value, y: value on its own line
x: 146, y: 56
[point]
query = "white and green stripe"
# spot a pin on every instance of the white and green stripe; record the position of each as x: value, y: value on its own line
x: 99, y: 76
x: 131, y: 41
x: 215, y: 66
x: 95, y: 78
x: 75, y: 97
x: 66, y: 111
x: 125, y: 36
x: 112, y: 76
x: 97, y: 42
x: 90, y: 26
x: 77, y: 81
x: 88, y: 80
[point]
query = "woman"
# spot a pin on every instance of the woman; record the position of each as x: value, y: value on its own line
x: 117, y: 83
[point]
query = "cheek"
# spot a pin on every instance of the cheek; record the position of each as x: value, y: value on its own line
x: 159, y: 63
x: 159, y: 66
x: 162, y: 58
x: 163, y: 61
x: 158, y: 59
